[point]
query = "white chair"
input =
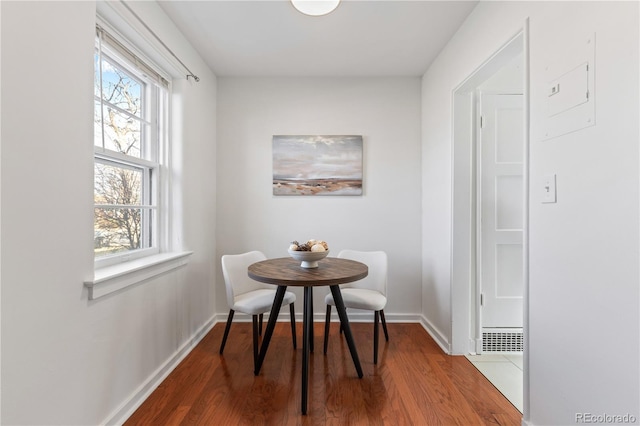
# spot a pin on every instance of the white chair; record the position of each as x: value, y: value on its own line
x: 249, y: 296
x: 369, y: 293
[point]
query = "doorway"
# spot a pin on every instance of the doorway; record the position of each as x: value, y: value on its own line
x: 489, y: 208
x: 500, y: 209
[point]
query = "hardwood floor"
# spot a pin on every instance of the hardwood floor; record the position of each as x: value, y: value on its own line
x: 414, y: 383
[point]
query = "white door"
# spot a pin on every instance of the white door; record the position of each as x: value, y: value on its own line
x: 501, y: 204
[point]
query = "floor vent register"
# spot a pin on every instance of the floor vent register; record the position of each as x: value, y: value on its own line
x: 502, y: 341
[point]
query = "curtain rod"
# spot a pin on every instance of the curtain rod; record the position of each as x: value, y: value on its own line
x: 195, y: 77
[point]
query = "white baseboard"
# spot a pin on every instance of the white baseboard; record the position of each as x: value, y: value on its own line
x: 127, y: 408
x: 360, y: 316
x: 440, y: 339
x: 367, y: 316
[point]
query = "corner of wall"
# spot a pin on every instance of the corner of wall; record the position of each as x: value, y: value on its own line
x: 439, y: 338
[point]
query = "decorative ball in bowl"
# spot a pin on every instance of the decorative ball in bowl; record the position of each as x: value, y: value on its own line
x: 309, y: 253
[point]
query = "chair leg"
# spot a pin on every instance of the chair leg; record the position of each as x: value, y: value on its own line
x: 226, y: 330
x: 260, y: 324
x: 376, y: 320
x: 384, y: 325
x: 326, y: 328
x: 292, y: 311
x: 255, y: 341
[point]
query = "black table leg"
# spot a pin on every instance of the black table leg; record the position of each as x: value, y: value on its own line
x: 307, y: 325
x: 311, y: 320
x: 344, y: 321
x: 273, y: 317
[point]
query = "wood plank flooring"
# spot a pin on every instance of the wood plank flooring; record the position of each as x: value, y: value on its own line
x: 414, y: 383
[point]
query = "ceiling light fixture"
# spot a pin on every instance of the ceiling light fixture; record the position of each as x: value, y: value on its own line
x: 315, y: 7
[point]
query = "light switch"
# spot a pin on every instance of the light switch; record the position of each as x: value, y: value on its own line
x: 549, y: 189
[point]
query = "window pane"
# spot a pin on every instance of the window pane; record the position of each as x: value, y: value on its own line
x: 115, y: 185
x: 122, y: 97
x: 121, y: 89
x: 121, y: 132
x: 121, y: 221
x: 117, y: 230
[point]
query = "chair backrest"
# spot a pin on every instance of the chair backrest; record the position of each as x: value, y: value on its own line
x: 377, y: 263
x: 234, y: 269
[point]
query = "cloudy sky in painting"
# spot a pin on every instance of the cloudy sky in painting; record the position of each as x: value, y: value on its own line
x: 317, y: 157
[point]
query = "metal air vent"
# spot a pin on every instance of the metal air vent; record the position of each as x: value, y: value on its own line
x: 502, y: 341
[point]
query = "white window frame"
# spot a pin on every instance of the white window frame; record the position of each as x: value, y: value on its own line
x: 152, y: 142
x: 114, y: 273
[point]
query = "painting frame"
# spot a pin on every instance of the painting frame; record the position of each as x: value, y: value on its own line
x: 317, y: 165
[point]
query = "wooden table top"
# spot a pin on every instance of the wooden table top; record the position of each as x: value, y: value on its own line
x: 287, y: 271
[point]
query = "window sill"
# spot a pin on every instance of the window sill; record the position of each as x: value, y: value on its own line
x: 116, y: 277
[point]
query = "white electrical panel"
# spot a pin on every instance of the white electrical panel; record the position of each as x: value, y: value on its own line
x: 570, y: 91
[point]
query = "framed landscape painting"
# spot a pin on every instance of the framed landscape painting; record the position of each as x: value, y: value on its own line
x: 317, y: 165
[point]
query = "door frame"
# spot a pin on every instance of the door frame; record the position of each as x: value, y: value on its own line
x: 465, y: 325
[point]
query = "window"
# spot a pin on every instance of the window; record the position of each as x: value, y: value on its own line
x: 129, y: 137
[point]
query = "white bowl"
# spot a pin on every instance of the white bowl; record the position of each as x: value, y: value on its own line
x: 309, y: 259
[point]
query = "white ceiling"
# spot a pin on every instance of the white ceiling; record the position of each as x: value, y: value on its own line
x: 360, y: 38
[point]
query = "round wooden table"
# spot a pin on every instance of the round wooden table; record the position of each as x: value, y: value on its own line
x: 286, y: 271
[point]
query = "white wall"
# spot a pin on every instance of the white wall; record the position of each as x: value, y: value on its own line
x: 386, y: 112
x: 0, y: 215
x: 583, y: 295
x: 508, y: 78
x: 67, y: 360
